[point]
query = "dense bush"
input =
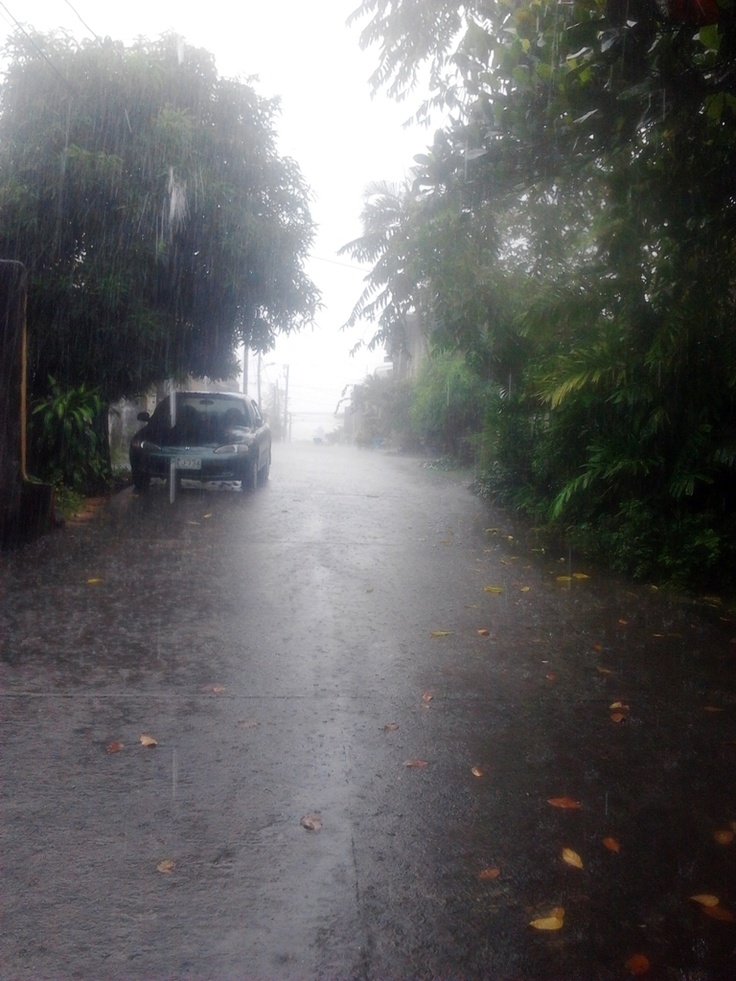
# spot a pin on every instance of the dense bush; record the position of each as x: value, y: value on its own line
x: 69, y: 438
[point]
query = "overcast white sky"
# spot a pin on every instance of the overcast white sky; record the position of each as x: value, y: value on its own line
x: 341, y: 138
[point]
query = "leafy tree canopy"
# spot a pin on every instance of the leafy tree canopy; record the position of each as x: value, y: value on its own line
x: 145, y: 195
x: 572, y: 228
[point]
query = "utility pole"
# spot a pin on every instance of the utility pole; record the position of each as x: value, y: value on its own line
x: 286, y: 403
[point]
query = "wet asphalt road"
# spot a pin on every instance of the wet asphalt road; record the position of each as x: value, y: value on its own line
x: 279, y: 647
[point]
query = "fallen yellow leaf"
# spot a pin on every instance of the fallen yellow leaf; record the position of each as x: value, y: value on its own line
x: 580, y: 575
x: 564, y: 579
x: 440, y: 633
x: 165, y: 866
x: 555, y: 921
x: 148, y: 741
x: 524, y: 589
x: 493, y: 589
x: 618, y: 705
x: 572, y: 858
x: 604, y: 670
x: 706, y: 899
x: 93, y: 582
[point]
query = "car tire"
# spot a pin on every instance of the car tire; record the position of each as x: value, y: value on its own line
x: 264, y: 472
x: 141, y: 482
x: 250, y: 481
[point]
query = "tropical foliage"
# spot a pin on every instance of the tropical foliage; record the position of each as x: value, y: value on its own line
x: 570, y: 231
x: 67, y: 447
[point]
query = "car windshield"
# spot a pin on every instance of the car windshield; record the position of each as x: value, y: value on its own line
x: 199, y: 418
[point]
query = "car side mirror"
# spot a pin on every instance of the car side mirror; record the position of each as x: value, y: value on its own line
x: 143, y: 417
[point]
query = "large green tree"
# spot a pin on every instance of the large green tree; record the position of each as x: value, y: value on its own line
x: 601, y: 137
x: 146, y: 196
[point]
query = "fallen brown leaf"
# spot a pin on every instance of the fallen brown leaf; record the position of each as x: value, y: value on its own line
x: 427, y: 696
x: 476, y: 771
x: 618, y: 717
x: 484, y: 632
x: 391, y: 727
x: 148, y: 741
x: 566, y: 803
x: 416, y: 764
x: 312, y: 822
x: 551, y: 676
x: 166, y: 866
x: 248, y: 723
x: 115, y: 747
x: 724, y: 836
x: 604, y: 670
x: 719, y: 913
x: 611, y: 844
x: 638, y: 964
x: 487, y: 875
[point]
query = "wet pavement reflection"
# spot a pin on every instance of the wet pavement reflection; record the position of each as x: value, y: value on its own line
x: 290, y: 651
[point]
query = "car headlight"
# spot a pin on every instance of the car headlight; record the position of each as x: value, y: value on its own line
x: 145, y: 444
x: 240, y: 448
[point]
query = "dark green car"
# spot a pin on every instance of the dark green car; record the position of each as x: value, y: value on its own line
x: 202, y: 436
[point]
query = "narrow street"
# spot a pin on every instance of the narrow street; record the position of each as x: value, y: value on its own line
x: 366, y: 645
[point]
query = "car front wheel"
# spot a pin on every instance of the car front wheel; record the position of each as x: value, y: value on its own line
x: 141, y: 482
x: 250, y: 480
x: 265, y: 470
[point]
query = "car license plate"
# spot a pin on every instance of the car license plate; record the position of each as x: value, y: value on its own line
x: 188, y: 463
